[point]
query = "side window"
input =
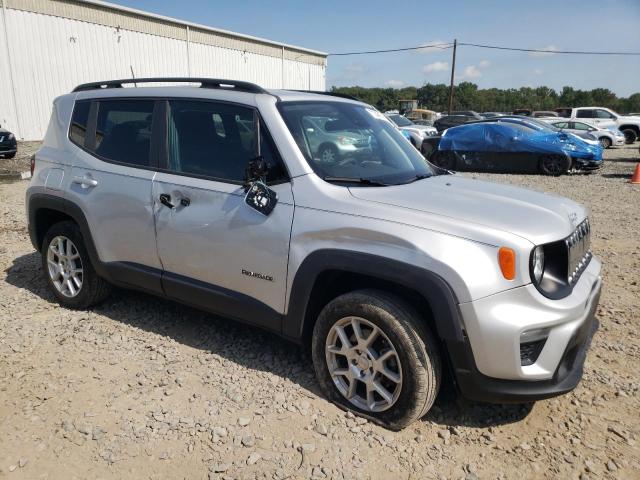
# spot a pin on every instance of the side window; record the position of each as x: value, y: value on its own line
x: 603, y: 114
x: 581, y: 126
x: 584, y: 114
x: 561, y: 124
x: 79, y: 119
x: 123, y: 131
x: 216, y: 140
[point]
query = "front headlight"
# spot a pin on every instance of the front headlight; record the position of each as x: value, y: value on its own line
x: 11, y: 136
x: 537, y: 261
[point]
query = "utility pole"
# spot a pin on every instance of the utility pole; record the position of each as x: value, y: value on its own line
x: 453, y: 71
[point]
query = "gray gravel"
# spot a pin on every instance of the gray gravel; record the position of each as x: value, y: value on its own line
x: 144, y: 388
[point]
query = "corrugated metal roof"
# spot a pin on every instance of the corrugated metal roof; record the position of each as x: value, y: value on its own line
x: 116, y: 16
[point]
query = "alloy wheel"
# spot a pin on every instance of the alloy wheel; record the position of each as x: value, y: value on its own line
x: 363, y: 364
x: 553, y: 164
x: 65, y: 266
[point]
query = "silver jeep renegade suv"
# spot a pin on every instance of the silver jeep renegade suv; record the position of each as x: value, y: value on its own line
x: 216, y: 194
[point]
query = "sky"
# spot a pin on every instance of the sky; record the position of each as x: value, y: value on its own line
x: 345, y: 26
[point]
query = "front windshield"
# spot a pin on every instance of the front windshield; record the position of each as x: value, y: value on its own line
x: 400, y: 121
x: 350, y: 141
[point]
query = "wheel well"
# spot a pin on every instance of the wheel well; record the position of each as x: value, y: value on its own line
x: 45, y: 218
x: 333, y: 283
x: 635, y: 128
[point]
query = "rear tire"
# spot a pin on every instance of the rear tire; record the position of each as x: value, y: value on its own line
x: 409, y: 353
x: 605, y: 142
x: 630, y: 136
x: 554, y: 165
x: 88, y: 288
x: 444, y: 159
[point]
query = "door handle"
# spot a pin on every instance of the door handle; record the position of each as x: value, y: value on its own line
x: 165, y: 199
x: 85, y: 182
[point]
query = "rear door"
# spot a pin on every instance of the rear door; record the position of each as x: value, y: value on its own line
x: 111, y: 182
x: 217, y: 252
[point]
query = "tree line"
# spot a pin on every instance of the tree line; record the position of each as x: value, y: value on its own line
x: 469, y: 97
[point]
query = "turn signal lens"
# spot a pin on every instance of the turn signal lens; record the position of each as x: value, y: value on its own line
x: 507, y: 261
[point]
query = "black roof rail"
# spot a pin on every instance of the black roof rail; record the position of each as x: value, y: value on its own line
x: 331, y: 94
x: 236, y: 85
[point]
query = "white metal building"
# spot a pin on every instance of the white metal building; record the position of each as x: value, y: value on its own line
x: 47, y: 47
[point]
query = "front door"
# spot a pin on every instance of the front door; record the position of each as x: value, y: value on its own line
x: 217, y: 252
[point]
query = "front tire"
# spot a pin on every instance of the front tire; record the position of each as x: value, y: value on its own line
x: 373, y: 354
x: 68, y: 269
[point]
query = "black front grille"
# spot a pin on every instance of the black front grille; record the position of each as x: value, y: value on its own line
x: 578, y: 251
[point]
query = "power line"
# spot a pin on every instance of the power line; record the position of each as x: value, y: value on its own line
x: 442, y: 46
x: 445, y: 46
x: 569, y: 52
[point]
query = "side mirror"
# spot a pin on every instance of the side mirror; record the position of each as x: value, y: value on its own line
x: 563, y: 136
x: 258, y: 195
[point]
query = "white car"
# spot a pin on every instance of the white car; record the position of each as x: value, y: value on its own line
x: 417, y: 133
x: 605, y: 117
x: 607, y: 137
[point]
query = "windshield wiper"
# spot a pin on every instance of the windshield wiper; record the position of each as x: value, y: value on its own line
x: 421, y: 176
x: 362, y: 181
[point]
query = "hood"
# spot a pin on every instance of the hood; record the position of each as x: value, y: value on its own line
x: 536, y: 216
x: 630, y: 118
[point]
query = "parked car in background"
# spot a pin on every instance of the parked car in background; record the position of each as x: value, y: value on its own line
x: 468, y: 113
x: 607, y: 137
x: 417, y: 132
x: 492, y: 114
x: 8, y: 144
x: 543, y: 113
x: 420, y: 115
x: 544, y: 124
x: 449, y: 121
x: 331, y: 141
x: 604, y: 117
x: 514, y: 146
x: 522, y: 111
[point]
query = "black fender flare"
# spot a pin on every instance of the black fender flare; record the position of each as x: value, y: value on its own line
x: 432, y: 287
x: 40, y: 201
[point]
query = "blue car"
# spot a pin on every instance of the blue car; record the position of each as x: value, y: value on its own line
x: 514, y: 144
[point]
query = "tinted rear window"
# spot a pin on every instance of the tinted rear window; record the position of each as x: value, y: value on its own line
x: 79, y: 119
x: 123, y: 131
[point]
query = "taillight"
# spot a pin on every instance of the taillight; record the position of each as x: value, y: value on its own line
x: 32, y: 164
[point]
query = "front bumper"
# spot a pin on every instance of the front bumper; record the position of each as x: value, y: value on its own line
x: 584, y: 164
x: 486, y: 363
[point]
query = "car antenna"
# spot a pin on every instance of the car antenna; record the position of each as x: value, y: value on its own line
x: 133, y: 76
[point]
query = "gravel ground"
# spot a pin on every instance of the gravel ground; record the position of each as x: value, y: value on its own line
x: 19, y: 163
x: 144, y: 388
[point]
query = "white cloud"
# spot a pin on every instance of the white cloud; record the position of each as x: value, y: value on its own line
x: 484, y: 63
x: 471, y: 72
x: 548, y: 50
x: 435, y: 67
x: 394, y: 83
x: 537, y: 71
